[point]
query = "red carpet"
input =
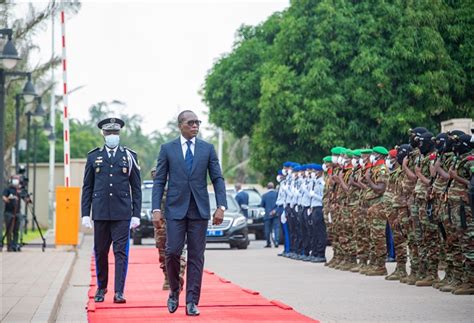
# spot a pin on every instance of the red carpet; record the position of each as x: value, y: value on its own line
x: 221, y: 301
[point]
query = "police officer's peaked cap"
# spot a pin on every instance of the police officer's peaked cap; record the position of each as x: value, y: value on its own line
x: 111, y: 124
x: 288, y: 164
x: 381, y: 150
x: 356, y: 152
x: 327, y: 159
x: 418, y: 130
x: 295, y: 165
x: 366, y: 151
x: 338, y: 150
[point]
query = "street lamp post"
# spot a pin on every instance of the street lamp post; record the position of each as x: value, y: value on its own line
x: 37, y: 117
x: 9, y: 57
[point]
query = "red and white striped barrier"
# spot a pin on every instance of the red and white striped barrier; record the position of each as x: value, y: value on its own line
x: 66, y: 136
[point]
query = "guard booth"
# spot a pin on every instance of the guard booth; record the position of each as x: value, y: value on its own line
x: 67, y: 215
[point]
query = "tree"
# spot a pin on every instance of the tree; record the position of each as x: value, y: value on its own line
x: 352, y: 73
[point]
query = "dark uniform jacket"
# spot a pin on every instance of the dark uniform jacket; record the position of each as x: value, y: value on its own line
x: 113, y: 190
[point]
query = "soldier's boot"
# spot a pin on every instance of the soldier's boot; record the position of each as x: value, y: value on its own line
x: 428, y: 281
x: 464, y: 289
x: 330, y: 262
x: 350, y: 263
x: 398, y: 274
x: 335, y: 262
x: 340, y: 265
x: 365, y: 268
x: 411, y: 279
x: 451, y: 286
x: 443, y: 281
x: 377, y: 271
x: 356, y: 268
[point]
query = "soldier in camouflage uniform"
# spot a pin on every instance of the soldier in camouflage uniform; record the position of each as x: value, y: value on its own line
x: 377, y: 179
x: 429, y: 243
x: 458, y: 199
x: 362, y: 224
x: 346, y: 222
x: 327, y: 206
x: 160, y: 243
x: 409, y: 182
x: 396, y: 212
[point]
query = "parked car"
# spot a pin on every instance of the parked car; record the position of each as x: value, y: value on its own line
x: 255, y: 212
x: 233, y: 230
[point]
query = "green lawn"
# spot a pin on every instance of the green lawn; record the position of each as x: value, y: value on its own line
x: 32, y: 235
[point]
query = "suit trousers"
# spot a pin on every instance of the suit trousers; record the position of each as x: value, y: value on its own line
x: 192, y: 228
x: 106, y: 232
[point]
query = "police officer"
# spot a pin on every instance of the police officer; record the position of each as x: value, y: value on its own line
x: 112, y: 187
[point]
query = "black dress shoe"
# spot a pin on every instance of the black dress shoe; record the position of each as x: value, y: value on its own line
x: 100, y: 295
x: 118, y: 298
x: 267, y: 246
x: 173, y: 302
x: 192, y: 309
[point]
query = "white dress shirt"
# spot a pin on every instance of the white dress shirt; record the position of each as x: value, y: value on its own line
x: 111, y: 149
x: 184, y: 145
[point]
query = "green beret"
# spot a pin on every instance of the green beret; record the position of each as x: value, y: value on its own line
x: 327, y: 159
x: 380, y: 150
x: 356, y: 152
x: 365, y: 151
x: 338, y: 150
x: 349, y: 153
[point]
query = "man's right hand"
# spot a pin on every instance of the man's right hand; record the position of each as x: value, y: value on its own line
x: 157, y: 219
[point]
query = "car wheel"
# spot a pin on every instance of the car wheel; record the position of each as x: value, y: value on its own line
x: 137, y: 239
x: 232, y: 245
x: 243, y: 245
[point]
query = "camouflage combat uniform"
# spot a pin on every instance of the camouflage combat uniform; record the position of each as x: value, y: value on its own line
x: 377, y: 221
x: 396, y: 212
x: 362, y: 226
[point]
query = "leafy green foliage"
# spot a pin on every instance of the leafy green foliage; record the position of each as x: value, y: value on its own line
x: 354, y: 73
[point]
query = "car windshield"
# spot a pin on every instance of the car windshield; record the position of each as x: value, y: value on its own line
x: 146, y: 197
x: 231, y: 204
x: 254, y: 197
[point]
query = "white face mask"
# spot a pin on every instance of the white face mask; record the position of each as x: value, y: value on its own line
x: 290, y: 171
x: 334, y: 159
x: 306, y: 173
x: 361, y: 162
x: 112, y: 141
x: 325, y: 167
x: 313, y: 175
x: 354, y: 162
x: 284, y: 171
x: 279, y: 178
x: 15, y: 182
x: 372, y: 159
x: 340, y: 160
x: 388, y: 163
x: 293, y: 175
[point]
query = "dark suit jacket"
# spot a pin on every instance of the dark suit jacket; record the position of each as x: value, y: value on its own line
x: 269, y: 203
x: 242, y: 199
x: 171, y: 168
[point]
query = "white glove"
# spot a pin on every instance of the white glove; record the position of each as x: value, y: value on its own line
x: 86, y: 222
x: 135, y: 222
x: 283, y: 217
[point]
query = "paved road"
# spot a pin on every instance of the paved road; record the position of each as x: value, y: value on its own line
x: 331, y: 295
x: 312, y: 289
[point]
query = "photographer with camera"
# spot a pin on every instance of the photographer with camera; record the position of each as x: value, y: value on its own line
x: 11, y: 198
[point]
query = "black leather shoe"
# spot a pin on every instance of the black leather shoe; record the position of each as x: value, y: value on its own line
x: 192, y: 309
x: 118, y: 298
x: 173, y: 302
x: 267, y: 246
x: 100, y: 295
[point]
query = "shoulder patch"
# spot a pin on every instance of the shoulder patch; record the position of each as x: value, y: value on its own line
x: 95, y: 149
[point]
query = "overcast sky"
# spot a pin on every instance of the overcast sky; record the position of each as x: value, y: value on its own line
x: 151, y: 55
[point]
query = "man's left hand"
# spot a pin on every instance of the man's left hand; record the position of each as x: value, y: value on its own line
x: 218, y: 217
x: 135, y: 222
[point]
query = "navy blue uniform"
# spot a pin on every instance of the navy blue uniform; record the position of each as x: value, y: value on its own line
x: 112, y: 188
x: 242, y: 199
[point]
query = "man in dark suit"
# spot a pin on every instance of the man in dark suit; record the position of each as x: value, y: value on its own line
x: 112, y: 188
x: 184, y: 164
x: 270, y: 219
x: 242, y: 198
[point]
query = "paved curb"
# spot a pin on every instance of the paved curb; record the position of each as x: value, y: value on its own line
x: 48, y: 309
